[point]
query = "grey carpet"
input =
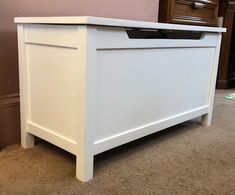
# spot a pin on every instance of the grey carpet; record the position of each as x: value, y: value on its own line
x: 185, y: 159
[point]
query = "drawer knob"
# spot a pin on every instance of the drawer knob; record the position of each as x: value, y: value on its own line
x: 198, y: 5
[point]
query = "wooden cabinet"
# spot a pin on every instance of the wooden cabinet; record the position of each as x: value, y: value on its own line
x: 198, y: 12
x: 226, y: 72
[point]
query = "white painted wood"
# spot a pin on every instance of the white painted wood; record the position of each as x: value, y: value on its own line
x: 99, y: 21
x: 207, y: 118
x: 27, y: 139
x: 58, y: 68
x: 141, y: 86
x: 59, y: 35
x: 87, y: 91
x: 141, y: 131
x: 53, y: 137
x: 106, y: 37
x: 88, y: 88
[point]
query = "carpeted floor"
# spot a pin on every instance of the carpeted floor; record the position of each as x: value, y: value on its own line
x: 185, y: 159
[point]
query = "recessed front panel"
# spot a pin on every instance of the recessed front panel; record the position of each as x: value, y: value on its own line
x: 137, y: 87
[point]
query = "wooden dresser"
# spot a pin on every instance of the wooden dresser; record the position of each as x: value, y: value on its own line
x: 198, y: 12
x: 226, y: 72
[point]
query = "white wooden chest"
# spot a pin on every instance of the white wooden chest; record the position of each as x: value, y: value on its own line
x: 89, y: 84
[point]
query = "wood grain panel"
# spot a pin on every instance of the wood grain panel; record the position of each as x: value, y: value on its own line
x: 226, y: 72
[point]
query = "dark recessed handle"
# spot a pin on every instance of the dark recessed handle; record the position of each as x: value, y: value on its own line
x: 163, y: 34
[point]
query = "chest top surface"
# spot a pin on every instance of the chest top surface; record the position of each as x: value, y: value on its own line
x: 111, y: 22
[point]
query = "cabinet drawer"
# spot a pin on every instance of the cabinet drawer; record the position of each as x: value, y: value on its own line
x: 198, y: 12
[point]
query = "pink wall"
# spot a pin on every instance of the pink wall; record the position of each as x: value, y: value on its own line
x: 145, y: 10
x: 129, y: 9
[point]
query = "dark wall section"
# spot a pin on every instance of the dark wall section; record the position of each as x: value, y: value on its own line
x: 145, y: 10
